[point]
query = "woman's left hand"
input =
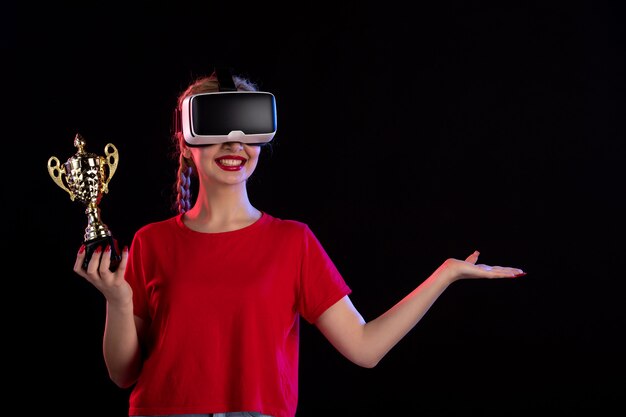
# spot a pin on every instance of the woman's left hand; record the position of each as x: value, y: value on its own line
x: 457, y: 269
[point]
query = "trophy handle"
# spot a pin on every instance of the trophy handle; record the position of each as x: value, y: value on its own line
x: 111, y: 159
x: 55, y: 171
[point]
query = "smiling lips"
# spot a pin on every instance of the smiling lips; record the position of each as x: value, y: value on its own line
x: 230, y: 162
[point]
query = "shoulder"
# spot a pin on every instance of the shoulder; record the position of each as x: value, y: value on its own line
x: 286, y: 225
x: 158, y: 227
x: 291, y: 229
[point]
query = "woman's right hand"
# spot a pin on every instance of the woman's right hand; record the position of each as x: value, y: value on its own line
x: 112, y: 285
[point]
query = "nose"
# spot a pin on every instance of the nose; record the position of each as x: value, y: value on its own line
x: 233, y: 146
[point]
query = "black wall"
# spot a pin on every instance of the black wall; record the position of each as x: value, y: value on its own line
x: 406, y: 136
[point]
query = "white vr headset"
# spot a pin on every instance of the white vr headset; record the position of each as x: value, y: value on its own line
x: 227, y: 115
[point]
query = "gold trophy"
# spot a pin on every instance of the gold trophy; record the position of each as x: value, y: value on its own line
x: 85, y: 176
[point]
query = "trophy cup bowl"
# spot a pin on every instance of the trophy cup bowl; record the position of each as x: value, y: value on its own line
x: 85, y: 177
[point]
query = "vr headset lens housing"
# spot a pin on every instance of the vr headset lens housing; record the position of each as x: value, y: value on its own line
x: 229, y: 116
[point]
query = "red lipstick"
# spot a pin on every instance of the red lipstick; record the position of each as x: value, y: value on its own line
x: 231, y: 162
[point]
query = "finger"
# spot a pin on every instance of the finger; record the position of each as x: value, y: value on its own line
x: 80, y: 257
x: 512, y: 274
x: 517, y: 272
x: 122, y: 266
x: 510, y: 271
x: 473, y: 257
x: 507, y: 272
x: 94, y: 262
x: 105, y: 262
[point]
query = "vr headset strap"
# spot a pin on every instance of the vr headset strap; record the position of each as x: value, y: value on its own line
x: 176, y: 122
x: 225, y: 79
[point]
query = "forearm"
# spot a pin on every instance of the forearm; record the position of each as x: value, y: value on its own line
x: 122, y: 353
x: 384, y: 332
x: 367, y: 343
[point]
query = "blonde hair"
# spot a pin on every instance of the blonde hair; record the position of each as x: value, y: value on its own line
x: 186, y: 167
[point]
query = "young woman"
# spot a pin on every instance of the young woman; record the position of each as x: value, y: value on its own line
x: 203, y: 312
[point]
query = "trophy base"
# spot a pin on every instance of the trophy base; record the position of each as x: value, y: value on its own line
x: 91, y: 245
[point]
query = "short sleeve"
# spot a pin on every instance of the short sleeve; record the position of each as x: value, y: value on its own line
x: 321, y: 284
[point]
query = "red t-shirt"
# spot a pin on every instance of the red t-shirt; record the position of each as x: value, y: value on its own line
x: 223, y: 312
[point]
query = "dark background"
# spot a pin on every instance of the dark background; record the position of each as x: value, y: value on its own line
x: 407, y: 134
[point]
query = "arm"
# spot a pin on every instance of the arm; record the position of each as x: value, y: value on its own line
x: 366, y: 343
x: 121, y: 341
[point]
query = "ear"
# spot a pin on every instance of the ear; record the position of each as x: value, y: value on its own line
x: 186, y: 151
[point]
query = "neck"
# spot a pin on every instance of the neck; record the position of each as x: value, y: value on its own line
x: 220, y: 209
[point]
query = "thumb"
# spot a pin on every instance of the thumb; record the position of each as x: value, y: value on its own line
x: 473, y: 257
